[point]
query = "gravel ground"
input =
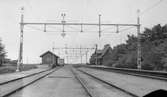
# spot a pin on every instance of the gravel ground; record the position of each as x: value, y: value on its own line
x: 134, y: 84
x: 100, y: 89
x: 11, y: 76
x: 9, y: 68
x: 7, y: 88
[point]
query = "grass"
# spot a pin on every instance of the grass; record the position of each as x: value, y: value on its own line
x: 10, y: 68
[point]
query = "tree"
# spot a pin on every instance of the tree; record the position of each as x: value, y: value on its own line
x: 153, y: 50
x: 126, y: 53
x: 2, y: 53
x: 153, y: 47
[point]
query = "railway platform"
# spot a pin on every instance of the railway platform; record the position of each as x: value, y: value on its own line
x: 137, y: 85
x: 12, y: 76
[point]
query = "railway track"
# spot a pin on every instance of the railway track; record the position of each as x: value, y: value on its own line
x: 8, y: 88
x: 97, y: 87
x: 136, y: 83
x: 141, y: 73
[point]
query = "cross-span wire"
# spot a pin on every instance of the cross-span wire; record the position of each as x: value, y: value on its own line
x: 151, y: 7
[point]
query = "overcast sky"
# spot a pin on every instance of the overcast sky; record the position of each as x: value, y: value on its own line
x: 37, y: 42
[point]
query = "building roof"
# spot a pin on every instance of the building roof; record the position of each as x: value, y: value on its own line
x: 104, y: 51
x: 49, y: 53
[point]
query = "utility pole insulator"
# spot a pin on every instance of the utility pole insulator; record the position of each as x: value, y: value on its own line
x: 63, y: 23
x: 81, y: 28
x: 117, y: 29
x: 99, y: 25
x: 44, y: 27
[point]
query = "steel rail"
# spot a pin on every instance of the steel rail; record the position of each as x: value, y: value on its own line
x: 83, y: 84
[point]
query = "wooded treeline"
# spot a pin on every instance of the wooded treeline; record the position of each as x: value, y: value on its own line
x: 2, y: 52
x: 153, y: 47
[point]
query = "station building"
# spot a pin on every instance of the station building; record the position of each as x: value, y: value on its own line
x: 102, y: 57
x: 106, y: 55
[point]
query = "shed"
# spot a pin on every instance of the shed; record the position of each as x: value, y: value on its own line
x: 49, y: 58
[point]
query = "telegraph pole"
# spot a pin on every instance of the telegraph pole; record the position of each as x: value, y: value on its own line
x: 53, y: 59
x: 86, y: 56
x: 66, y: 52
x: 139, y: 65
x: 20, y: 58
x: 81, y: 54
x: 96, y: 54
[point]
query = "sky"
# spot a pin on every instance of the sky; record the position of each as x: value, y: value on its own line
x: 37, y: 42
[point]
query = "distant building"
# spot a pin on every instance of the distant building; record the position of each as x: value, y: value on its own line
x: 105, y: 56
x: 60, y: 61
x: 14, y: 61
x: 49, y: 58
x: 6, y: 60
x: 102, y: 57
x: 98, y: 59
